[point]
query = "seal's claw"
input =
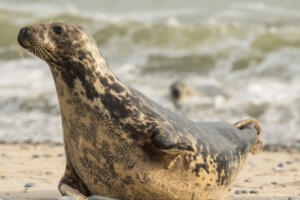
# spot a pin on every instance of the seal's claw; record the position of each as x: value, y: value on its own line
x: 257, y: 146
x: 249, y: 122
x: 68, y: 190
x: 70, y: 184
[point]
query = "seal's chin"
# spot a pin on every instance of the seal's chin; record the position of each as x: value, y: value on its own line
x: 20, y: 41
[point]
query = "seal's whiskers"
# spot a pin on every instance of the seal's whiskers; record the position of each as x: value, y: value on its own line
x: 20, y: 51
x: 49, y: 54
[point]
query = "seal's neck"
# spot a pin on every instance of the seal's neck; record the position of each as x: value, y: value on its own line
x: 86, y: 81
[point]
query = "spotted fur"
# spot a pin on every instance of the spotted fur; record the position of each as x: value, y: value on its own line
x: 121, y: 144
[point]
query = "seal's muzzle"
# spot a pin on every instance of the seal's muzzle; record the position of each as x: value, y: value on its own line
x: 24, y: 37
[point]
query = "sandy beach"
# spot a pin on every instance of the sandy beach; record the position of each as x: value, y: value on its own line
x: 32, y: 172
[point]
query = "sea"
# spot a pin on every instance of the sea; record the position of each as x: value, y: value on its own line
x: 248, y: 49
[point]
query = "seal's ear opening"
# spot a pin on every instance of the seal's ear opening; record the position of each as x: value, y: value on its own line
x: 79, y: 27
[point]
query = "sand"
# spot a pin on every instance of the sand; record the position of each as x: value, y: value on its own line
x: 269, y: 175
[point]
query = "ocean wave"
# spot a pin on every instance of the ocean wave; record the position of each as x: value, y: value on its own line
x: 250, y: 50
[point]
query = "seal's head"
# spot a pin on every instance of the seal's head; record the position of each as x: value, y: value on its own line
x: 58, y: 43
x: 181, y: 89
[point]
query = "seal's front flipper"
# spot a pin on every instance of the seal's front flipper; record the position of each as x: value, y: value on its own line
x: 174, y: 149
x: 70, y: 184
x: 167, y: 144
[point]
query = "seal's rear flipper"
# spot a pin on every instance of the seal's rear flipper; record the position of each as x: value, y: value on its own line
x: 257, y: 145
x: 249, y: 123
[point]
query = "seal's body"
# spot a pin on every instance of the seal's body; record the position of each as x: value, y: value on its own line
x: 119, y: 143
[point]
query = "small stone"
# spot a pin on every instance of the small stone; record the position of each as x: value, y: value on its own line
x: 274, y: 183
x: 282, y: 185
x: 100, y: 198
x: 277, y: 169
x: 70, y: 197
x: 253, y: 192
x: 30, y: 184
x: 281, y: 165
x: 47, y: 155
x: 61, y: 155
x: 240, y: 192
x: 246, y: 180
x: 48, y: 173
x: 288, y: 162
x: 35, y: 156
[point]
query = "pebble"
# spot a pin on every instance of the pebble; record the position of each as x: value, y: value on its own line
x: 61, y: 155
x: 288, y: 162
x: 240, y: 192
x: 274, y: 183
x: 35, y: 156
x: 100, y: 198
x: 29, y: 185
x: 277, y: 169
x: 70, y: 197
x: 246, y: 180
x: 253, y: 192
x: 281, y: 165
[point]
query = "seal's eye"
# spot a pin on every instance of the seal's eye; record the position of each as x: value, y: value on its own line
x: 58, y: 30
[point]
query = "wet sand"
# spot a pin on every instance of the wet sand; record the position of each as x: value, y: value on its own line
x: 32, y: 172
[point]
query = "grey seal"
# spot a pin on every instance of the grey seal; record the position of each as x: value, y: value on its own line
x: 119, y: 143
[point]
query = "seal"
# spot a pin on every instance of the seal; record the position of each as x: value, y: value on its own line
x: 181, y: 90
x: 119, y: 143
